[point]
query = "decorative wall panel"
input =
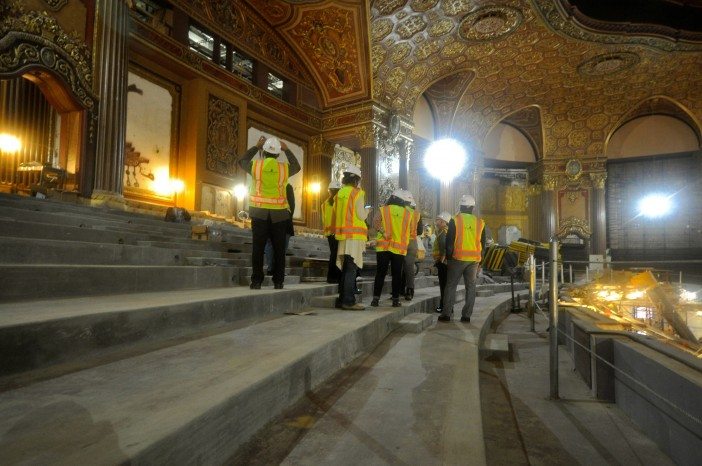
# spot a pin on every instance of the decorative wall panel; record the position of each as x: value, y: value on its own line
x: 222, y: 136
x: 151, y: 136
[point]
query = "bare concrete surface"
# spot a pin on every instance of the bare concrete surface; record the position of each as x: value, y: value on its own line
x: 522, y: 426
x: 413, y: 400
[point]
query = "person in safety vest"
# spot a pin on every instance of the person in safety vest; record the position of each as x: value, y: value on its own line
x: 268, y: 256
x: 465, y: 245
x: 393, y: 224
x: 438, y: 252
x: 333, y: 272
x: 351, y: 232
x: 408, y: 271
x: 268, y: 204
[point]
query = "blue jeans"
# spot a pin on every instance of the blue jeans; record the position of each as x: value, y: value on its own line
x: 268, y: 252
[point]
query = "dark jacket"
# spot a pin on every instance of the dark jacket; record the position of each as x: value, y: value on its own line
x: 290, y: 193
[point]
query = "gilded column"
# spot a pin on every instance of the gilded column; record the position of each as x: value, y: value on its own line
x: 548, y: 206
x: 598, y: 221
x: 318, y: 170
x: 369, y: 163
x: 111, y: 31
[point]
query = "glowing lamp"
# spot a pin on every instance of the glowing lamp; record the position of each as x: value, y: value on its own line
x: 315, y: 188
x: 444, y: 159
x: 177, y: 186
x: 655, y: 205
x: 9, y: 143
x: 688, y: 295
x: 240, y: 191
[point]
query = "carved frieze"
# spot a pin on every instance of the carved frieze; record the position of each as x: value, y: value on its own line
x: 55, y: 5
x: 222, y: 136
x: 574, y: 225
x: 35, y: 40
x: 598, y: 179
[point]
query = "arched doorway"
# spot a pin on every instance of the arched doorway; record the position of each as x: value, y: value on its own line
x: 47, y: 103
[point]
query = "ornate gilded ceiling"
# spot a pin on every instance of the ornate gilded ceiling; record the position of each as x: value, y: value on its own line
x: 331, y: 38
x: 527, y: 53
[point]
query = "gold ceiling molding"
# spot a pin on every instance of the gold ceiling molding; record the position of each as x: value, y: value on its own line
x: 528, y: 121
x: 55, y: 5
x: 533, y: 66
x: 489, y: 23
x: 330, y: 39
x: 609, y: 63
x: 561, y: 21
x: 34, y: 40
x: 239, y: 24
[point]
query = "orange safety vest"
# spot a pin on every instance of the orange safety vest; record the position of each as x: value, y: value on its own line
x: 466, y: 246
x: 415, y: 221
x: 396, y: 222
x: 347, y: 225
x: 267, y: 188
x: 328, y: 218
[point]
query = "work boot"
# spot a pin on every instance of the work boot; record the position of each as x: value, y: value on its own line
x: 396, y: 302
x: 353, y: 307
x: 337, y: 303
x: 375, y: 302
x: 255, y: 286
x: 443, y: 318
x: 465, y: 319
x: 409, y: 294
x: 278, y: 286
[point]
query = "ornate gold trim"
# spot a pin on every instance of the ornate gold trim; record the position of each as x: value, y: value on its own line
x: 575, y: 225
x: 35, y: 40
x: 55, y: 5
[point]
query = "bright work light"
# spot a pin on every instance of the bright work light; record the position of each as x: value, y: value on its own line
x: 444, y: 159
x: 655, y: 205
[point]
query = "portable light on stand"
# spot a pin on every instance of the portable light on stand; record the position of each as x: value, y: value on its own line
x: 10, y: 145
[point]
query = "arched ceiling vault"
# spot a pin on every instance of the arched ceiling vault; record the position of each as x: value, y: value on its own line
x: 527, y: 53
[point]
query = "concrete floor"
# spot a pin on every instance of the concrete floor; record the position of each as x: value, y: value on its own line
x: 414, y: 400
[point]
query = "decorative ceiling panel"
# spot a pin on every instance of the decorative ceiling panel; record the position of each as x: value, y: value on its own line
x: 527, y: 54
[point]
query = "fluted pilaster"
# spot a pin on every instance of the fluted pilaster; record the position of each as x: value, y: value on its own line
x: 111, y: 30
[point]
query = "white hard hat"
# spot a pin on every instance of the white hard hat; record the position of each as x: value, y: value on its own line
x: 333, y: 184
x: 445, y: 216
x: 272, y: 146
x: 398, y: 193
x: 467, y: 201
x: 353, y: 169
x: 410, y: 198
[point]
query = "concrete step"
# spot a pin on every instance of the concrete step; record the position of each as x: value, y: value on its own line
x: 155, y: 218
x: 495, y: 344
x: 89, y: 221
x: 484, y: 293
x: 416, y: 322
x: 192, y: 403
x: 82, y: 331
x: 45, y: 251
x: 195, y: 245
x: 23, y: 282
x: 245, y: 280
x: 222, y: 261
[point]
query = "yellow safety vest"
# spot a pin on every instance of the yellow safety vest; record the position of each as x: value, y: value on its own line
x: 435, y: 249
x: 328, y: 218
x: 267, y: 188
x: 396, y: 222
x: 466, y: 246
x: 347, y: 225
x: 415, y: 221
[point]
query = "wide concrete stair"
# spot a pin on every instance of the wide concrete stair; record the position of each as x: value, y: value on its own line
x: 130, y: 366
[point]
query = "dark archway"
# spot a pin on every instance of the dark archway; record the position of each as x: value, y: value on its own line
x: 33, y: 46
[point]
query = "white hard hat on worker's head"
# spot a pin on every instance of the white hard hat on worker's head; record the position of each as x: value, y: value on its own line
x: 272, y: 146
x: 410, y: 198
x: 398, y: 193
x: 333, y: 184
x: 445, y: 216
x: 467, y: 201
x: 354, y: 170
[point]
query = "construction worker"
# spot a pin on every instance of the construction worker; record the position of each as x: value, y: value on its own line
x: 465, y: 243
x: 416, y: 227
x: 438, y: 252
x: 268, y: 256
x: 393, y: 224
x: 268, y: 205
x: 333, y: 272
x: 351, y: 232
